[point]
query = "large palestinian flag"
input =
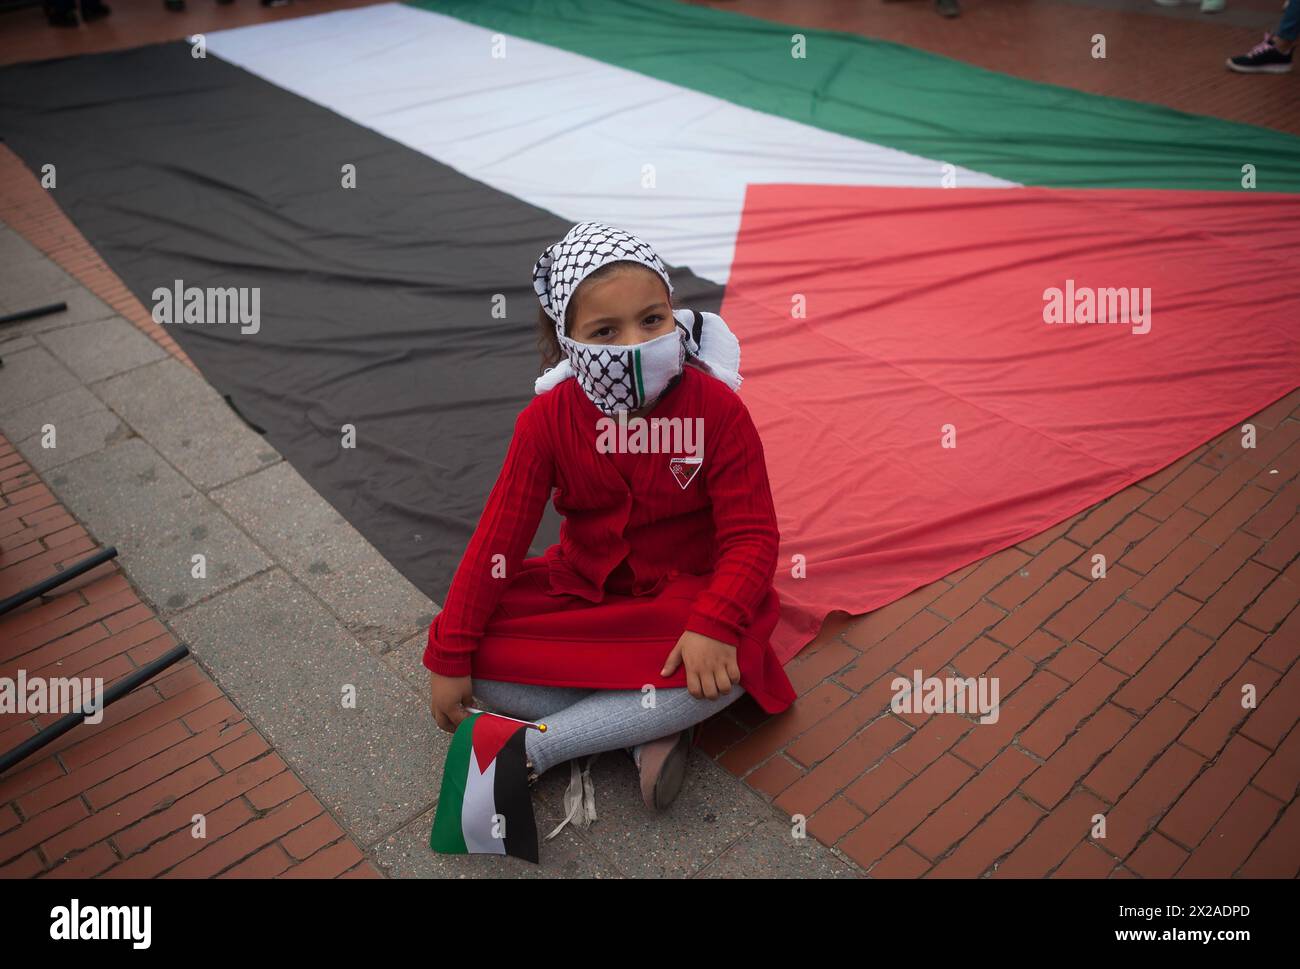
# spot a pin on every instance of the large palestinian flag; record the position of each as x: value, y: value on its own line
x: 915, y: 254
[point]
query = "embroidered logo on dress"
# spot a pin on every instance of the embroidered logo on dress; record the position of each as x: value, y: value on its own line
x: 684, y: 469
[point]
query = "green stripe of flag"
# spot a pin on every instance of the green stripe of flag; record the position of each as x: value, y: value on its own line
x: 907, y: 99
x: 448, y: 833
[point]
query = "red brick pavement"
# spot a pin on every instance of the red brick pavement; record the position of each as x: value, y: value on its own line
x: 1120, y: 699
x: 118, y: 798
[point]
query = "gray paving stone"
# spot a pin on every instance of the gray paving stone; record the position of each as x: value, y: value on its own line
x: 302, y: 530
x: 769, y: 851
x: 62, y: 410
x: 102, y: 349
x: 32, y: 278
x: 712, y: 812
x: 285, y: 661
x: 32, y: 375
x: 13, y: 246
x: 130, y: 497
x: 407, y: 854
x: 180, y: 414
x: 87, y: 434
x: 14, y: 249
x: 82, y: 425
x: 13, y: 343
x: 407, y: 660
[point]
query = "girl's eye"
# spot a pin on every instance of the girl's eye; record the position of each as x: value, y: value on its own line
x: 653, y: 320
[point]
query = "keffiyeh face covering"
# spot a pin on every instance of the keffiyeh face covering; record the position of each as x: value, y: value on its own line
x: 618, y: 378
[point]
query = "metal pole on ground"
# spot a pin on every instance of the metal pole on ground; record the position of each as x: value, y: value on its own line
x: 114, y: 693
x: 45, y: 585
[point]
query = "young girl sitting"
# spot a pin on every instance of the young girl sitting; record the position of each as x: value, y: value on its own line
x: 654, y: 610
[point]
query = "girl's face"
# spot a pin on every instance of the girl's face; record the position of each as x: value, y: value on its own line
x: 626, y: 307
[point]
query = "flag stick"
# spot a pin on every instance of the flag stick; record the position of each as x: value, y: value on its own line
x: 527, y: 723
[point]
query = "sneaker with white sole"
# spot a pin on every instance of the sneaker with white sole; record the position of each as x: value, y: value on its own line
x: 1263, y: 58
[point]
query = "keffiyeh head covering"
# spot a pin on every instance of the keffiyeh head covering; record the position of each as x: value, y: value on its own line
x: 562, y: 267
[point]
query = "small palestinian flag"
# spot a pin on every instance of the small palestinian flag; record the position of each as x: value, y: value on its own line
x: 485, y: 806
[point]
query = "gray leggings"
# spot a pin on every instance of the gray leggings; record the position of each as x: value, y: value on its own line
x: 581, y: 721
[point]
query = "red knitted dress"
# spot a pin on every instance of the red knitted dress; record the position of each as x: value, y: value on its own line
x: 641, y: 558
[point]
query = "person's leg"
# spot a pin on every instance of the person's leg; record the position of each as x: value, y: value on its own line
x: 1289, y: 28
x: 527, y: 701
x: 612, y: 719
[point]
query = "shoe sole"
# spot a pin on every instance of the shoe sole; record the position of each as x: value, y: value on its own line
x: 671, y: 775
x: 1266, y: 69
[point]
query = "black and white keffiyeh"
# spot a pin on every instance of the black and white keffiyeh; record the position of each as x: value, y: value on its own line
x: 587, y: 247
x: 562, y: 267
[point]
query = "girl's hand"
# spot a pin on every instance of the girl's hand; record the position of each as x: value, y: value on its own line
x: 449, y: 697
x: 711, y: 665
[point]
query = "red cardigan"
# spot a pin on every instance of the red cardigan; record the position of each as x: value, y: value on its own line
x: 628, y: 523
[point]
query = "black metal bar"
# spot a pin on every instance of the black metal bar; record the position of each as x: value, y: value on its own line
x: 114, y: 693
x: 32, y: 313
x: 45, y: 585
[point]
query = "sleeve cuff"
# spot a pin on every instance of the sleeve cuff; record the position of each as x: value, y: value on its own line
x: 448, y: 655
x: 447, y: 666
x: 714, y: 629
